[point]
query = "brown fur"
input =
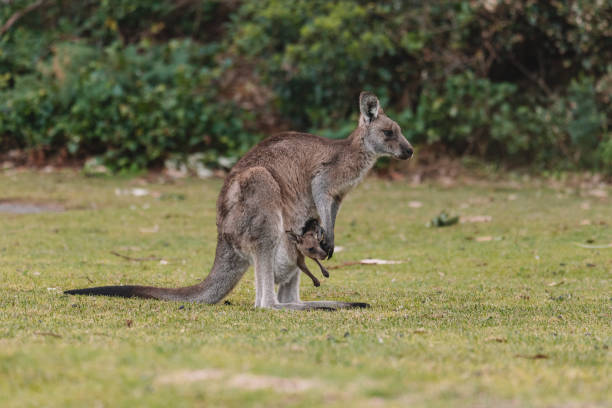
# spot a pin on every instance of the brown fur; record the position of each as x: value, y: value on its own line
x: 309, y: 245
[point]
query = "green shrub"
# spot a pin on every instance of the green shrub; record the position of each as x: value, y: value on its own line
x: 606, y: 151
x: 137, y: 81
x: 131, y: 104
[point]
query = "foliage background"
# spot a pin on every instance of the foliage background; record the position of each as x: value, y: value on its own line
x: 134, y: 82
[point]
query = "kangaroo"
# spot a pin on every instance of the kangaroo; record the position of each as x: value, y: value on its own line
x: 277, y: 186
x: 309, y: 244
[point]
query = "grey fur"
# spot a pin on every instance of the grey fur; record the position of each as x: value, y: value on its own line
x: 277, y: 186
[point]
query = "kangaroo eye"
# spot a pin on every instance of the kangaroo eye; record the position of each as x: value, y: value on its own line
x: 388, y: 133
x: 311, y: 249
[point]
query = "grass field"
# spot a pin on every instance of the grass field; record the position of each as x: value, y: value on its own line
x: 506, y: 313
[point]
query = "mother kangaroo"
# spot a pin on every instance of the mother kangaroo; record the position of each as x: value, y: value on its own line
x: 277, y: 186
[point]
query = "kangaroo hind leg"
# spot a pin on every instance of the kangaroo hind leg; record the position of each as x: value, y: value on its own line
x: 323, y: 269
x: 264, y: 274
x: 302, y: 265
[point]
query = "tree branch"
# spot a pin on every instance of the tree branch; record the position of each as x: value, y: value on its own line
x: 534, y: 78
x: 18, y: 14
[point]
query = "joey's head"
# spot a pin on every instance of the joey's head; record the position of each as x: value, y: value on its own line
x: 381, y: 135
x: 309, y: 244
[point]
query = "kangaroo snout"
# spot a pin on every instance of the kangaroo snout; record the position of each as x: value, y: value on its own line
x: 407, y: 152
x: 319, y: 254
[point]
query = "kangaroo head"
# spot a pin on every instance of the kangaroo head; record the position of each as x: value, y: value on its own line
x: 381, y: 135
x: 309, y: 243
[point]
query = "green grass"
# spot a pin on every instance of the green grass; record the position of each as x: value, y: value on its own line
x: 452, y: 326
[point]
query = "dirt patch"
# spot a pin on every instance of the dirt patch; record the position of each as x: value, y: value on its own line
x: 245, y: 381
x: 256, y: 382
x: 17, y: 206
x: 190, y: 376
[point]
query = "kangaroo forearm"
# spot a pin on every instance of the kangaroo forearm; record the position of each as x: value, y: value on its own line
x: 334, y: 207
x: 325, y: 209
x: 324, y: 202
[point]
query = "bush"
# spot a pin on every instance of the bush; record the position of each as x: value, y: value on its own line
x: 502, y: 80
x: 136, y: 81
x: 479, y: 117
x: 131, y: 104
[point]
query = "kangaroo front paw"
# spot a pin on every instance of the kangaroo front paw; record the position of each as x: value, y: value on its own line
x: 328, y: 246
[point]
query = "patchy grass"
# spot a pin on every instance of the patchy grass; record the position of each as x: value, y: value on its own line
x: 509, y: 312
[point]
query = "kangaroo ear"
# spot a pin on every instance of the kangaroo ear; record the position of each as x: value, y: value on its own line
x: 369, y: 106
x: 293, y: 237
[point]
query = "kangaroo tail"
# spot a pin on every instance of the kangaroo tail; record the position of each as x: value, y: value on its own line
x: 119, y: 291
x: 227, y: 270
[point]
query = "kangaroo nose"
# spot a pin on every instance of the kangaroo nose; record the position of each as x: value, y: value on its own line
x: 407, y: 153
